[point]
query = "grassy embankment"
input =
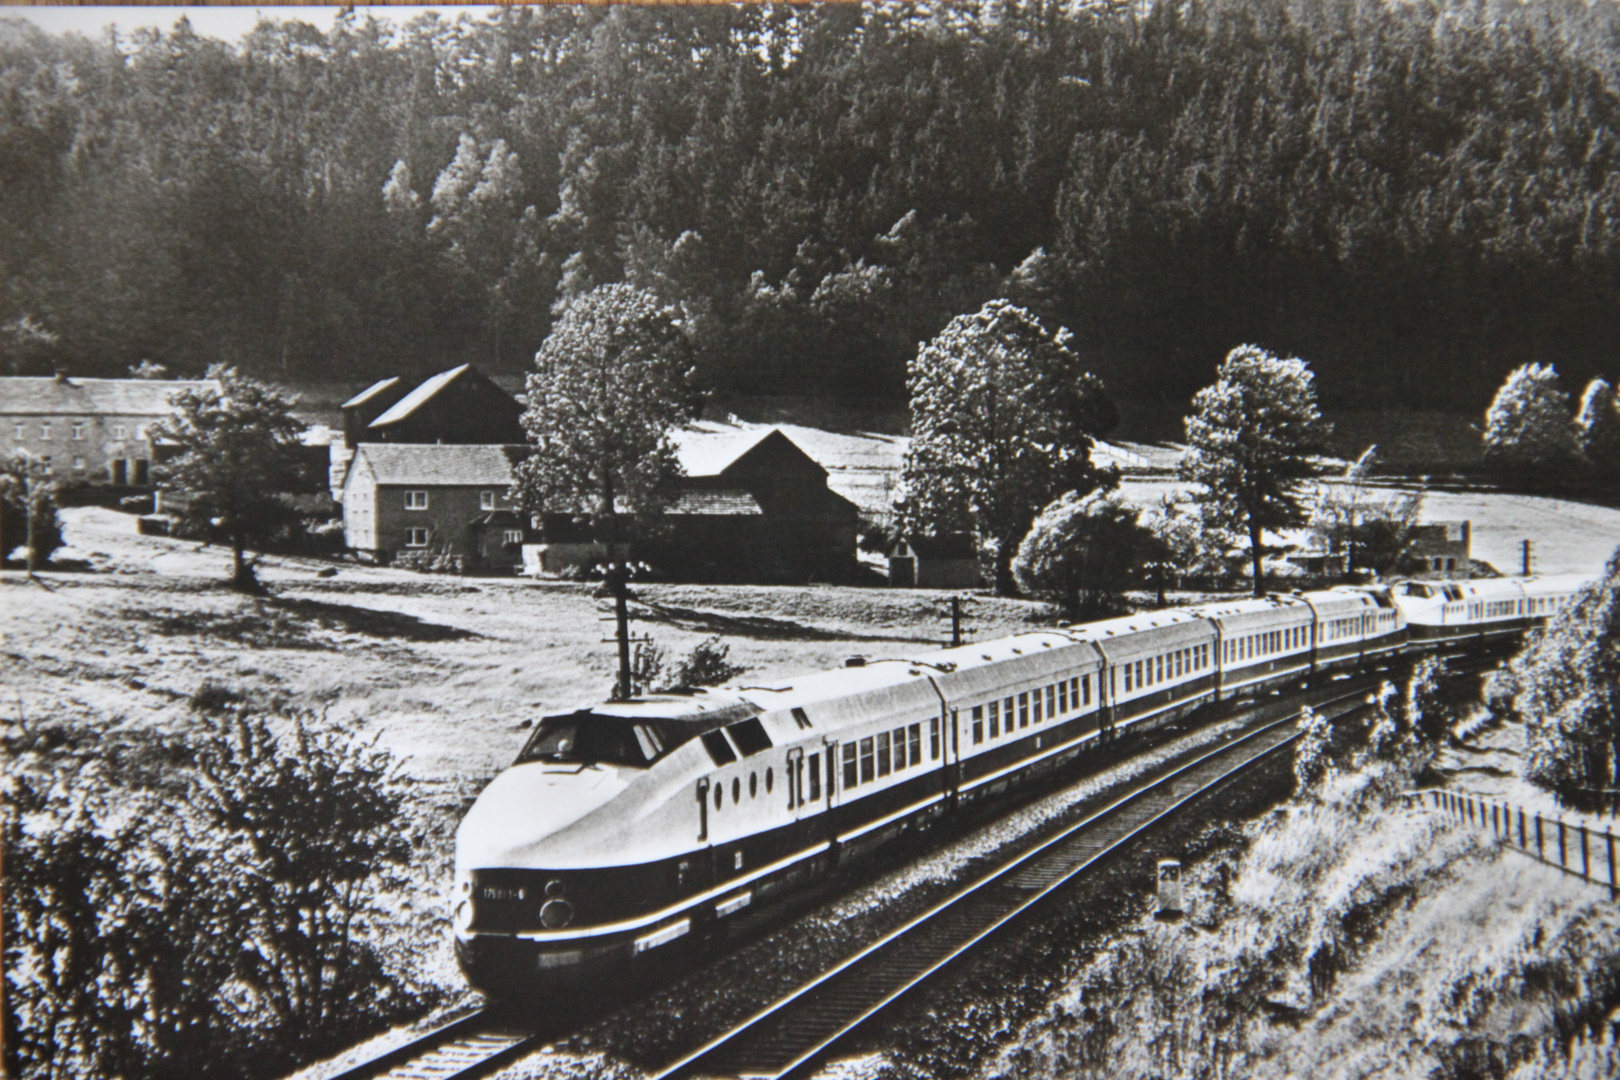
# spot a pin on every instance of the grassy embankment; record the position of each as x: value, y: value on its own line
x: 1352, y: 936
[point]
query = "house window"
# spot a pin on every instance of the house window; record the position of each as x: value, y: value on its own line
x: 118, y: 431
x: 486, y: 500
x: 78, y: 431
x: 17, y: 430
x: 416, y: 538
x: 78, y: 464
x: 416, y: 500
x: 45, y: 464
x: 513, y: 536
x: 45, y: 432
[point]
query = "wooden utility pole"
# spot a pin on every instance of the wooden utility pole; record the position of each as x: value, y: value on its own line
x: 1526, y: 558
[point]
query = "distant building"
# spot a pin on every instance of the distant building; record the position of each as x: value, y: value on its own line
x: 442, y: 498
x: 97, y: 431
x: 935, y: 562
x: 1443, y: 549
x: 460, y: 407
x: 752, y: 507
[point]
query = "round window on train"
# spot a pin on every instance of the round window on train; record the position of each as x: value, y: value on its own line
x: 736, y: 789
x: 753, y: 785
x: 770, y: 778
x: 719, y: 795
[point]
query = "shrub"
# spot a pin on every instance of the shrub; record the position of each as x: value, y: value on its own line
x: 1082, y: 552
x: 435, y: 560
x: 708, y: 665
x: 227, y: 932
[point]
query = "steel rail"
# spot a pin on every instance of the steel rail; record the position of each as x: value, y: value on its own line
x: 470, y: 1047
x: 480, y: 1044
x: 801, y: 1027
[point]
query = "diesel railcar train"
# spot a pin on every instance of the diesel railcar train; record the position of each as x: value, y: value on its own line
x: 624, y: 827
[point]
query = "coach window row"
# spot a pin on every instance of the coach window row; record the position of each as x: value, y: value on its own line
x: 1006, y: 715
x: 1237, y: 650
x: 887, y: 752
x: 1141, y: 674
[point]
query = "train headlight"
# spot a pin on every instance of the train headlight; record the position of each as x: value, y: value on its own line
x: 463, y: 917
x: 556, y: 914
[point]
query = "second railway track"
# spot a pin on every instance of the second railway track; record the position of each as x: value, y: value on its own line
x: 799, y: 1029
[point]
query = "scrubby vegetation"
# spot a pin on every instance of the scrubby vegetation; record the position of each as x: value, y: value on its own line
x: 1565, y: 688
x: 1353, y: 934
x: 230, y: 903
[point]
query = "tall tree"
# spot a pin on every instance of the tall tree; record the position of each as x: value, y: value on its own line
x: 237, y: 458
x: 1252, y: 433
x: 1597, y: 426
x: 1528, y: 426
x: 1002, y: 422
x: 611, y: 382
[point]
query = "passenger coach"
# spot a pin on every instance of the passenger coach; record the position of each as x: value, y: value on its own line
x: 625, y: 827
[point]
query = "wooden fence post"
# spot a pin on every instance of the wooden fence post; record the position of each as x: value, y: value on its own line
x: 1539, y: 853
x: 1521, y: 827
x: 1562, y: 861
x: 1608, y: 839
x: 1586, y: 858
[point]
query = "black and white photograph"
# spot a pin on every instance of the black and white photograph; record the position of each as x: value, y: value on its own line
x: 1021, y: 540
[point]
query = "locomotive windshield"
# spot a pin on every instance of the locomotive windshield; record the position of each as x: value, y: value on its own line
x: 585, y: 738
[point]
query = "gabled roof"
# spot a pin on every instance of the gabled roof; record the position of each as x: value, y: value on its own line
x: 370, y: 392
x: 418, y: 397
x: 433, y: 464
x: 109, y: 397
x: 712, y: 453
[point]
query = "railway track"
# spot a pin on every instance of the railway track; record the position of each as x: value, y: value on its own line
x: 797, y: 1030
x: 474, y: 1046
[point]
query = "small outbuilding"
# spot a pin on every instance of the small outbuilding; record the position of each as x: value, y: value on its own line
x: 935, y: 562
x: 1443, y: 550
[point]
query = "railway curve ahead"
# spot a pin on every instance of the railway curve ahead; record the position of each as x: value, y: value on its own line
x: 797, y: 1031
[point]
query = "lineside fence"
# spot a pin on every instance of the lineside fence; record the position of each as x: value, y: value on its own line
x: 1573, y: 848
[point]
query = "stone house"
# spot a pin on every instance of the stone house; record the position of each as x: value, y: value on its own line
x: 456, y: 500
x: 94, y: 431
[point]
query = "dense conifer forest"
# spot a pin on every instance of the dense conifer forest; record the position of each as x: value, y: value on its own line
x: 1414, y: 196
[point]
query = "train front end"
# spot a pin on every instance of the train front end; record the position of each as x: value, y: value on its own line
x: 576, y: 857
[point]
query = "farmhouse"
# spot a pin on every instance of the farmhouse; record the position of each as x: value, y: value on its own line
x: 445, y: 499
x: 95, y: 431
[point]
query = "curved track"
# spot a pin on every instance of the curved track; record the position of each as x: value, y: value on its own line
x: 798, y: 1030
x: 802, y: 1026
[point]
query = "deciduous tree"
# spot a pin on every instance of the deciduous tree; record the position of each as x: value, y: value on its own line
x: 1528, y: 426
x: 1565, y: 687
x: 611, y: 382
x: 1597, y: 426
x: 1002, y: 422
x: 237, y: 457
x: 1082, y: 552
x: 1252, y: 434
